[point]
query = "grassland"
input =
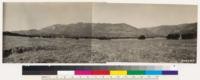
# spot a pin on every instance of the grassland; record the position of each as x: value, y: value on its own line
x: 65, y: 50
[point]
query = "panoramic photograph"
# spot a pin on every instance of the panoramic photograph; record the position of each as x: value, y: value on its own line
x: 99, y: 33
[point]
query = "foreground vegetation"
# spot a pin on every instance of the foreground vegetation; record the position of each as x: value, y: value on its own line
x: 67, y: 50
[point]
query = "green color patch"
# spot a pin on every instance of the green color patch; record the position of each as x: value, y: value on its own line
x: 136, y: 72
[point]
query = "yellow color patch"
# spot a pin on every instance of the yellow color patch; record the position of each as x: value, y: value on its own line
x: 118, y: 72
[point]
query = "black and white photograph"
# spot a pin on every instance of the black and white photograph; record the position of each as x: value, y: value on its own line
x: 92, y: 32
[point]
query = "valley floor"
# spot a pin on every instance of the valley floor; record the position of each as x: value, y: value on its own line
x: 64, y: 50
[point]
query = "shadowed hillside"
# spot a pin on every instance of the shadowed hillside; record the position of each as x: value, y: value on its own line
x: 164, y: 30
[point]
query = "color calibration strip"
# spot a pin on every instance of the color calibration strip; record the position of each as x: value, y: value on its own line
x: 100, y: 70
x: 119, y: 72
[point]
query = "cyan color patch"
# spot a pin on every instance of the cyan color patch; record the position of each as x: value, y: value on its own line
x: 153, y: 72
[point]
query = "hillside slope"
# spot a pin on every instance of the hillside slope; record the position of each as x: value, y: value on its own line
x: 164, y: 30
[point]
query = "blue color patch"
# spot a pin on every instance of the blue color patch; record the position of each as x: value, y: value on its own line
x: 153, y: 72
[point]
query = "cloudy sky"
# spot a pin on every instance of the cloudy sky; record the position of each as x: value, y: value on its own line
x: 25, y: 16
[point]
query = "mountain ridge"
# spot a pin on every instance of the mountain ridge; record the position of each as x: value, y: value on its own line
x: 109, y: 30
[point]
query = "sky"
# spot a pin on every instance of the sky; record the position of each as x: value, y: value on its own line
x: 26, y: 16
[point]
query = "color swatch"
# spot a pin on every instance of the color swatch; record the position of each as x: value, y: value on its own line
x: 125, y: 72
x: 99, y: 70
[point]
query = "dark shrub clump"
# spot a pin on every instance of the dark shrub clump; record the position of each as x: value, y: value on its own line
x: 142, y: 37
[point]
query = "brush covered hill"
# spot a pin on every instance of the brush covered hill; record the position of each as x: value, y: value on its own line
x: 164, y: 30
x: 86, y: 30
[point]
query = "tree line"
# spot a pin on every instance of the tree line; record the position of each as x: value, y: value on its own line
x: 174, y: 36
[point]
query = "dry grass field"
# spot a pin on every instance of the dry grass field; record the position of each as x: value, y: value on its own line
x: 43, y: 50
x: 65, y: 50
x: 150, y: 50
